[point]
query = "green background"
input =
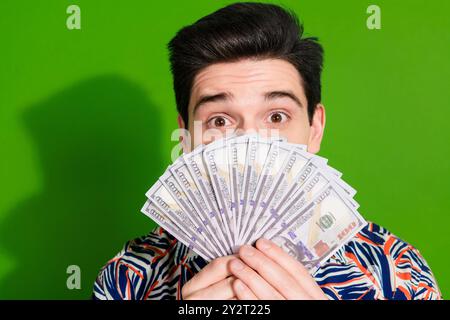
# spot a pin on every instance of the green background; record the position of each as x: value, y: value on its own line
x: 86, y: 117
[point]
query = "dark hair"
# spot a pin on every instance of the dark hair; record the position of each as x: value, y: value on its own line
x: 244, y: 30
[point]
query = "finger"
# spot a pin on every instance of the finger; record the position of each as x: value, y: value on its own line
x: 295, y: 268
x: 273, y: 273
x: 260, y: 288
x: 222, y: 290
x: 213, y: 272
x: 242, y: 291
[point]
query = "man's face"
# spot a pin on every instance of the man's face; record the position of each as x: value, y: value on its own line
x: 251, y: 96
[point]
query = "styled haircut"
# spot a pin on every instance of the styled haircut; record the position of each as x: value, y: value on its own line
x: 244, y: 30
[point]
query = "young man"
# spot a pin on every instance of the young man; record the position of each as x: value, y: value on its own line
x: 247, y: 67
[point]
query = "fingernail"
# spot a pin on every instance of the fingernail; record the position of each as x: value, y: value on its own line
x: 236, y: 265
x: 247, y: 251
x: 264, y: 244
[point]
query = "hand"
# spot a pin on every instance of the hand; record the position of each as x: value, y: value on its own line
x: 213, y: 282
x: 267, y: 272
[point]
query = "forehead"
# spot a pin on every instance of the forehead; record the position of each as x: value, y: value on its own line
x: 247, y: 75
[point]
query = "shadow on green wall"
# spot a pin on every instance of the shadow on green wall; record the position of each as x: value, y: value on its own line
x: 98, y: 144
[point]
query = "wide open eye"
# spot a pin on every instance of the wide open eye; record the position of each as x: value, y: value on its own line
x: 219, y: 122
x: 277, y: 117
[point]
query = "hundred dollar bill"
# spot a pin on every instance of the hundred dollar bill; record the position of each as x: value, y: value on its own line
x: 323, y: 162
x: 163, y: 200
x: 172, y: 185
x: 215, y: 157
x: 294, y: 180
x: 196, y: 166
x: 305, y: 187
x: 237, y: 153
x: 277, y: 155
x: 257, y: 151
x: 182, y: 174
x: 332, y: 170
x: 283, y: 183
x: 316, y: 232
x: 154, y: 213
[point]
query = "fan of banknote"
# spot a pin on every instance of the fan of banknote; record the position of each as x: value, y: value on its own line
x: 238, y: 189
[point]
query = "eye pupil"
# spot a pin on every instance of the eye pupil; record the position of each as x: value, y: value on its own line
x: 276, y: 117
x: 219, y: 122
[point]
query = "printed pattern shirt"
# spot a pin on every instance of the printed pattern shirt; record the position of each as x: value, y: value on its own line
x: 375, y: 264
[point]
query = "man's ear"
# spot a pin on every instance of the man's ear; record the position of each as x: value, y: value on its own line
x: 180, y: 121
x: 317, y: 129
x: 184, y: 135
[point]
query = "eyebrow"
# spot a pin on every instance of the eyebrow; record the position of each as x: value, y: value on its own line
x: 272, y: 95
x: 226, y: 96
x: 219, y: 97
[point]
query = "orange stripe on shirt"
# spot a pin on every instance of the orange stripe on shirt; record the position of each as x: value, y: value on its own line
x: 387, y: 246
x: 405, y: 292
x: 397, y: 261
x: 150, y: 289
x: 134, y: 270
x: 404, y: 275
x: 367, y: 240
x: 186, y: 266
x: 156, y: 258
x: 423, y: 285
x: 362, y: 296
x: 153, y: 248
